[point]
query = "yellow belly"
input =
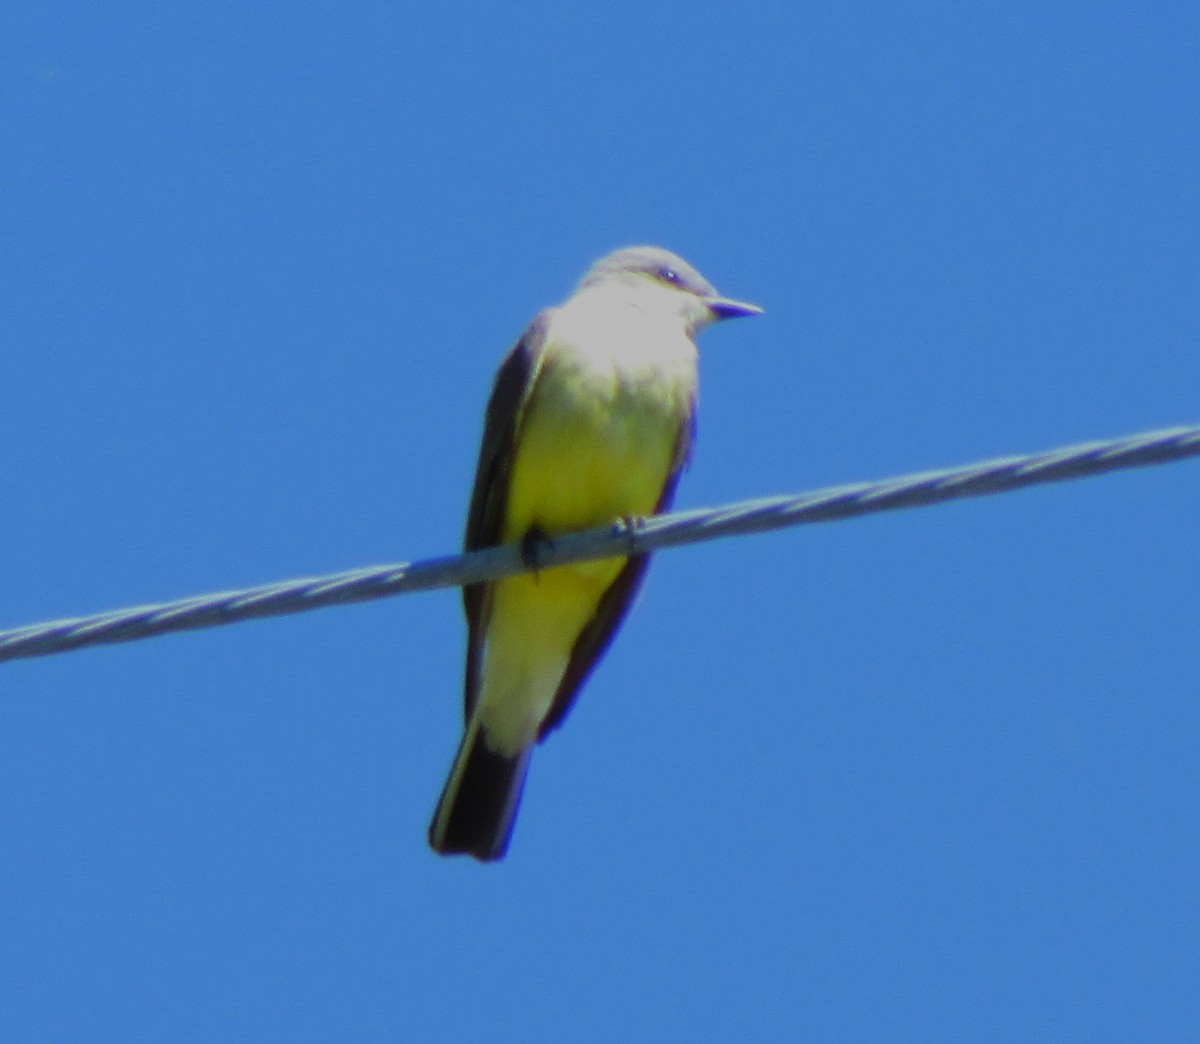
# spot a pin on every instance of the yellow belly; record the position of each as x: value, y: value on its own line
x: 596, y: 444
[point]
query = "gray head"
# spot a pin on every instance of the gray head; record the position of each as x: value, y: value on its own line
x: 648, y: 266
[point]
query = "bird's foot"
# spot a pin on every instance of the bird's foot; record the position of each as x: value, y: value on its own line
x: 534, y: 545
x: 627, y: 526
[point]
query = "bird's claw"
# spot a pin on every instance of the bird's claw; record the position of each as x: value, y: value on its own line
x: 534, y: 545
x: 628, y: 525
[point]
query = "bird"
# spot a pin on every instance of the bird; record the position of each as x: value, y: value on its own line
x: 591, y: 421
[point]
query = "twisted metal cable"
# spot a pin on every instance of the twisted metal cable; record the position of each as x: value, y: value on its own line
x: 654, y: 534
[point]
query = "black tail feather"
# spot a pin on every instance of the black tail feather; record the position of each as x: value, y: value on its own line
x: 478, y: 807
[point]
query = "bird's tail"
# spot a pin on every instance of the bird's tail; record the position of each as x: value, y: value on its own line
x: 478, y: 807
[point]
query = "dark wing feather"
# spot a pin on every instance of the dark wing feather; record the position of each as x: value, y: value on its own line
x: 614, y: 604
x: 490, y: 496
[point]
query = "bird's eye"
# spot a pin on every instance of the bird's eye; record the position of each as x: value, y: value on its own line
x: 669, y: 275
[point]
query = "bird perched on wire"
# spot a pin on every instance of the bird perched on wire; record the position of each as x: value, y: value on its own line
x: 591, y: 420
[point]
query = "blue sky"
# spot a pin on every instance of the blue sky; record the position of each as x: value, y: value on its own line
x: 925, y: 776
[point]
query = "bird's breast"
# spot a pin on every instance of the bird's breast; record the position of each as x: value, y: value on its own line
x: 599, y: 433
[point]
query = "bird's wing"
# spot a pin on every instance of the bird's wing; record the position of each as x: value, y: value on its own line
x: 489, y: 498
x: 595, y: 638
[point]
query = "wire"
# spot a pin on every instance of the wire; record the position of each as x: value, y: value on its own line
x: 654, y: 534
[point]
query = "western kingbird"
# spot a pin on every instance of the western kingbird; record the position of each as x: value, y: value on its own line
x: 591, y: 420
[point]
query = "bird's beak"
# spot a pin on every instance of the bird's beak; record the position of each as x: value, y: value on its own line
x: 727, y: 308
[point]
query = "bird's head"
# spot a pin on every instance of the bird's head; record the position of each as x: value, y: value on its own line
x: 665, y: 280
